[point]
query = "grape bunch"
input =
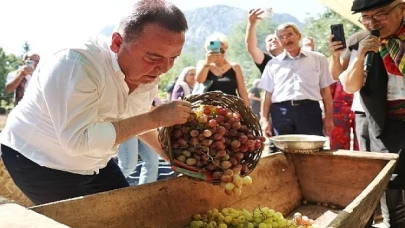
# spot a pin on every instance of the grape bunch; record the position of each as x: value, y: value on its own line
x: 216, y: 141
x: 241, y: 218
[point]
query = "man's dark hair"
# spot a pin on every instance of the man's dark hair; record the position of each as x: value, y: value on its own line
x: 146, y: 12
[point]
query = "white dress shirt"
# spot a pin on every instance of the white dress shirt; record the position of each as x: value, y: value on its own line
x: 64, y: 120
x: 299, y: 78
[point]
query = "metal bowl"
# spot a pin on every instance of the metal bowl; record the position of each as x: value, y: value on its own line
x: 299, y: 143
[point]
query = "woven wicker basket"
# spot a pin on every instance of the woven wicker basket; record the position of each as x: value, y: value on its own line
x: 233, y: 104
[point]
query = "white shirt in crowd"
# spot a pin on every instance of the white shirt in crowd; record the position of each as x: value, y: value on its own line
x: 65, y: 123
x: 298, y: 78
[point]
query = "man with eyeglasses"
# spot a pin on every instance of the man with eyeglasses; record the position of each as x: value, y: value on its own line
x: 17, y: 81
x: 382, y: 90
x: 295, y: 81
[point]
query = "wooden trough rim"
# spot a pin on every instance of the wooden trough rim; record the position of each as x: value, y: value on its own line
x: 362, y: 200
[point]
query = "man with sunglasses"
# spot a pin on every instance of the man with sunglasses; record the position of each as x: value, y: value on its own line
x: 382, y: 90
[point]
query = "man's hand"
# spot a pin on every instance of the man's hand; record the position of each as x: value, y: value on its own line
x: 210, y: 57
x: 267, y: 127
x: 175, y: 112
x: 26, y: 70
x: 328, y: 125
x: 254, y: 15
x: 370, y: 43
x: 334, y: 46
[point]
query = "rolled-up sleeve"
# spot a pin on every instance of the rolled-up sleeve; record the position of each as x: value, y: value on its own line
x: 71, y: 89
x: 267, y: 82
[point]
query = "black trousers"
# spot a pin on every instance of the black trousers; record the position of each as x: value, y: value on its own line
x: 45, y: 185
x: 303, y: 118
x: 393, y: 200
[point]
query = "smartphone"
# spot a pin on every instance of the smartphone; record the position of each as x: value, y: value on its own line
x: 30, y: 63
x: 338, y: 34
x: 215, y: 46
x: 267, y: 13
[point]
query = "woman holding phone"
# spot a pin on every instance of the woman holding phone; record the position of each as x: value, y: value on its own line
x: 225, y: 76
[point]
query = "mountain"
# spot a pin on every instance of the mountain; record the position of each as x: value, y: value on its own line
x: 204, y: 21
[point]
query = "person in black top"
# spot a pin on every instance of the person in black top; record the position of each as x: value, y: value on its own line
x: 254, y: 96
x: 273, y: 46
x: 226, y: 76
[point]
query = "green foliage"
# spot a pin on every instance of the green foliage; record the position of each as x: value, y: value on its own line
x: 319, y: 28
x: 186, y: 59
x: 26, y: 47
x: 8, y: 63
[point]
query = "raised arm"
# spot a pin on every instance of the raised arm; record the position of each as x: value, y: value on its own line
x: 337, y: 65
x: 353, y: 77
x: 251, y: 39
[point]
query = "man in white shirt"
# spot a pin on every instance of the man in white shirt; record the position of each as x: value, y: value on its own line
x: 295, y: 81
x: 84, y: 101
x: 17, y: 81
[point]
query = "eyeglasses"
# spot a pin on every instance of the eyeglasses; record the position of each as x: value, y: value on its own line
x: 222, y: 50
x: 377, y: 17
x: 288, y: 36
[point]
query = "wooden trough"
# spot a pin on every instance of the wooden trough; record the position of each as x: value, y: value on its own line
x: 352, y: 182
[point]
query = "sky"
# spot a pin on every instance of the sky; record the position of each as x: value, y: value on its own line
x: 48, y: 25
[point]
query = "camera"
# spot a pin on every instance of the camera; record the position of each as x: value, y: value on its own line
x: 215, y: 46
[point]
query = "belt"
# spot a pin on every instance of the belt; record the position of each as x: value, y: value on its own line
x: 296, y: 102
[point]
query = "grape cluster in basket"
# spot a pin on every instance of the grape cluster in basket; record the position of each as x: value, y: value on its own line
x: 214, y: 140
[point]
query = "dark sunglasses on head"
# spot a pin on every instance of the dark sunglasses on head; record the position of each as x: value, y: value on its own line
x: 222, y: 51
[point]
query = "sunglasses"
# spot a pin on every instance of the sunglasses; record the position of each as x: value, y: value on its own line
x: 222, y: 51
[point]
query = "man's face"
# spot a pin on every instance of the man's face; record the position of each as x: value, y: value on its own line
x: 149, y: 55
x: 34, y: 58
x: 272, y: 43
x: 387, y: 19
x: 289, y: 39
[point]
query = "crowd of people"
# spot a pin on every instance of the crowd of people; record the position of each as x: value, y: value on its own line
x: 83, y: 106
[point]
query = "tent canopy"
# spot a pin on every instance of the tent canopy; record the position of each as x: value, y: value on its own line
x: 343, y: 7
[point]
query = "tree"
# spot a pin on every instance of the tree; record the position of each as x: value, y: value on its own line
x: 26, y: 47
x: 8, y: 63
x: 319, y: 28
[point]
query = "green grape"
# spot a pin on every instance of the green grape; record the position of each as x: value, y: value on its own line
x: 268, y: 225
x: 257, y: 214
x: 257, y: 220
x: 222, y: 225
x: 281, y: 222
x: 262, y: 225
x: 250, y: 225
x: 249, y: 217
x: 228, y: 219
x: 225, y: 210
x: 235, y: 222
x: 199, y: 223
x: 278, y: 215
x: 240, y: 226
x: 197, y: 217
